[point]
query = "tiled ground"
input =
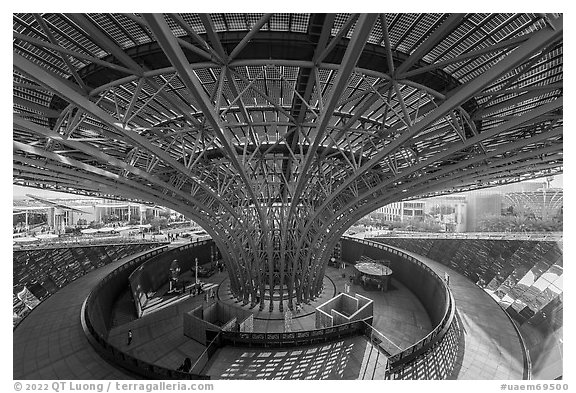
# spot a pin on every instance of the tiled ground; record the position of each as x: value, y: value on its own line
x: 398, y: 313
x: 353, y: 358
x: 158, y: 336
x: 50, y: 343
x: 492, y: 347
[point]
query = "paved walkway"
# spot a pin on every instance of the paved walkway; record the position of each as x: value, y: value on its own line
x: 492, y: 348
x: 158, y: 337
x: 50, y: 343
x: 352, y: 358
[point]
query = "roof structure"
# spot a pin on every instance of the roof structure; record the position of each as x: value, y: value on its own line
x: 274, y: 130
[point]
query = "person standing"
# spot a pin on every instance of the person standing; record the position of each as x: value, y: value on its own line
x: 129, y: 336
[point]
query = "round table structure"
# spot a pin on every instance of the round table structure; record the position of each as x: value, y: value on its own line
x: 373, y: 269
x: 374, y: 272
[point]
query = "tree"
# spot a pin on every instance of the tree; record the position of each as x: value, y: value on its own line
x: 164, y: 213
x: 518, y: 224
x: 109, y: 218
x: 95, y: 225
x: 158, y: 223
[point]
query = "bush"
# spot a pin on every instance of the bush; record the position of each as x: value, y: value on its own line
x: 518, y: 224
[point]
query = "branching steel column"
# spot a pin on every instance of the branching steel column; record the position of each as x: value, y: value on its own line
x: 174, y: 53
x: 280, y: 135
x: 353, y: 52
x: 463, y: 93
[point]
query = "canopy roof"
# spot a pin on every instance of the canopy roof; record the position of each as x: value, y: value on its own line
x: 179, y: 109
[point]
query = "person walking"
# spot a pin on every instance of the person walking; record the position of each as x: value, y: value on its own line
x: 129, y: 336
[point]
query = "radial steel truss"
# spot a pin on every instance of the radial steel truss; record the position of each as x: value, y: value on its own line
x: 276, y: 132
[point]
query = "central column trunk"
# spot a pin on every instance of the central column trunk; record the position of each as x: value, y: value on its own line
x: 274, y: 265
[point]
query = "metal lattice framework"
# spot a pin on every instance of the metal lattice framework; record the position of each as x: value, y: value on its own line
x: 544, y: 203
x: 276, y: 132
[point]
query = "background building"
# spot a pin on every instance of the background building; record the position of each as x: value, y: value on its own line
x: 463, y: 212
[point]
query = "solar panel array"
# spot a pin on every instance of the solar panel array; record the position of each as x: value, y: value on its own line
x: 276, y: 132
x: 45, y: 271
x: 525, y: 276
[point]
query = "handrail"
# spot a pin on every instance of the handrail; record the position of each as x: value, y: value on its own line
x: 283, y: 339
x: 373, y: 329
x: 430, y: 340
x: 274, y: 339
x: 213, y: 342
x: 527, y: 374
x: 109, y: 241
x: 114, y: 354
x: 535, y: 236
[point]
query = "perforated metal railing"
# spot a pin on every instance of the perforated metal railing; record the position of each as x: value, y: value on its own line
x: 113, y: 354
x: 399, y: 361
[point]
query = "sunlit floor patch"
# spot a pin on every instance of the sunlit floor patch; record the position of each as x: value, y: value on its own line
x: 353, y: 358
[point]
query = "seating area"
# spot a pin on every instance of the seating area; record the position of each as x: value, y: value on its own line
x: 45, y: 271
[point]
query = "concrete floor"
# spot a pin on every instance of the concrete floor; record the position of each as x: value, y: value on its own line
x: 352, y: 358
x: 158, y: 336
x: 492, y: 349
x: 50, y: 343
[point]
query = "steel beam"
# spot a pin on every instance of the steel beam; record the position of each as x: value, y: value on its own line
x: 61, y: 88
x: 441, y: 31
x: 351, y: 56
x: 100, y: 39
x: 463, y: 93
x: 246, y: 39
x: 126, y: 188
x: 105, y: 158
x: 446, y: 153
x: 214, y: 39
x: 513, y: 42
x: 174, y: 53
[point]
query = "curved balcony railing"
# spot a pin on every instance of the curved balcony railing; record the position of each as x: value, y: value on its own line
x: 396, y: 360
x: 64, y: 245
x: 401, y: 358
x: 113, y: 354
x: 289, y: 339
x: 83, y: 241
x: 535, y: 236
